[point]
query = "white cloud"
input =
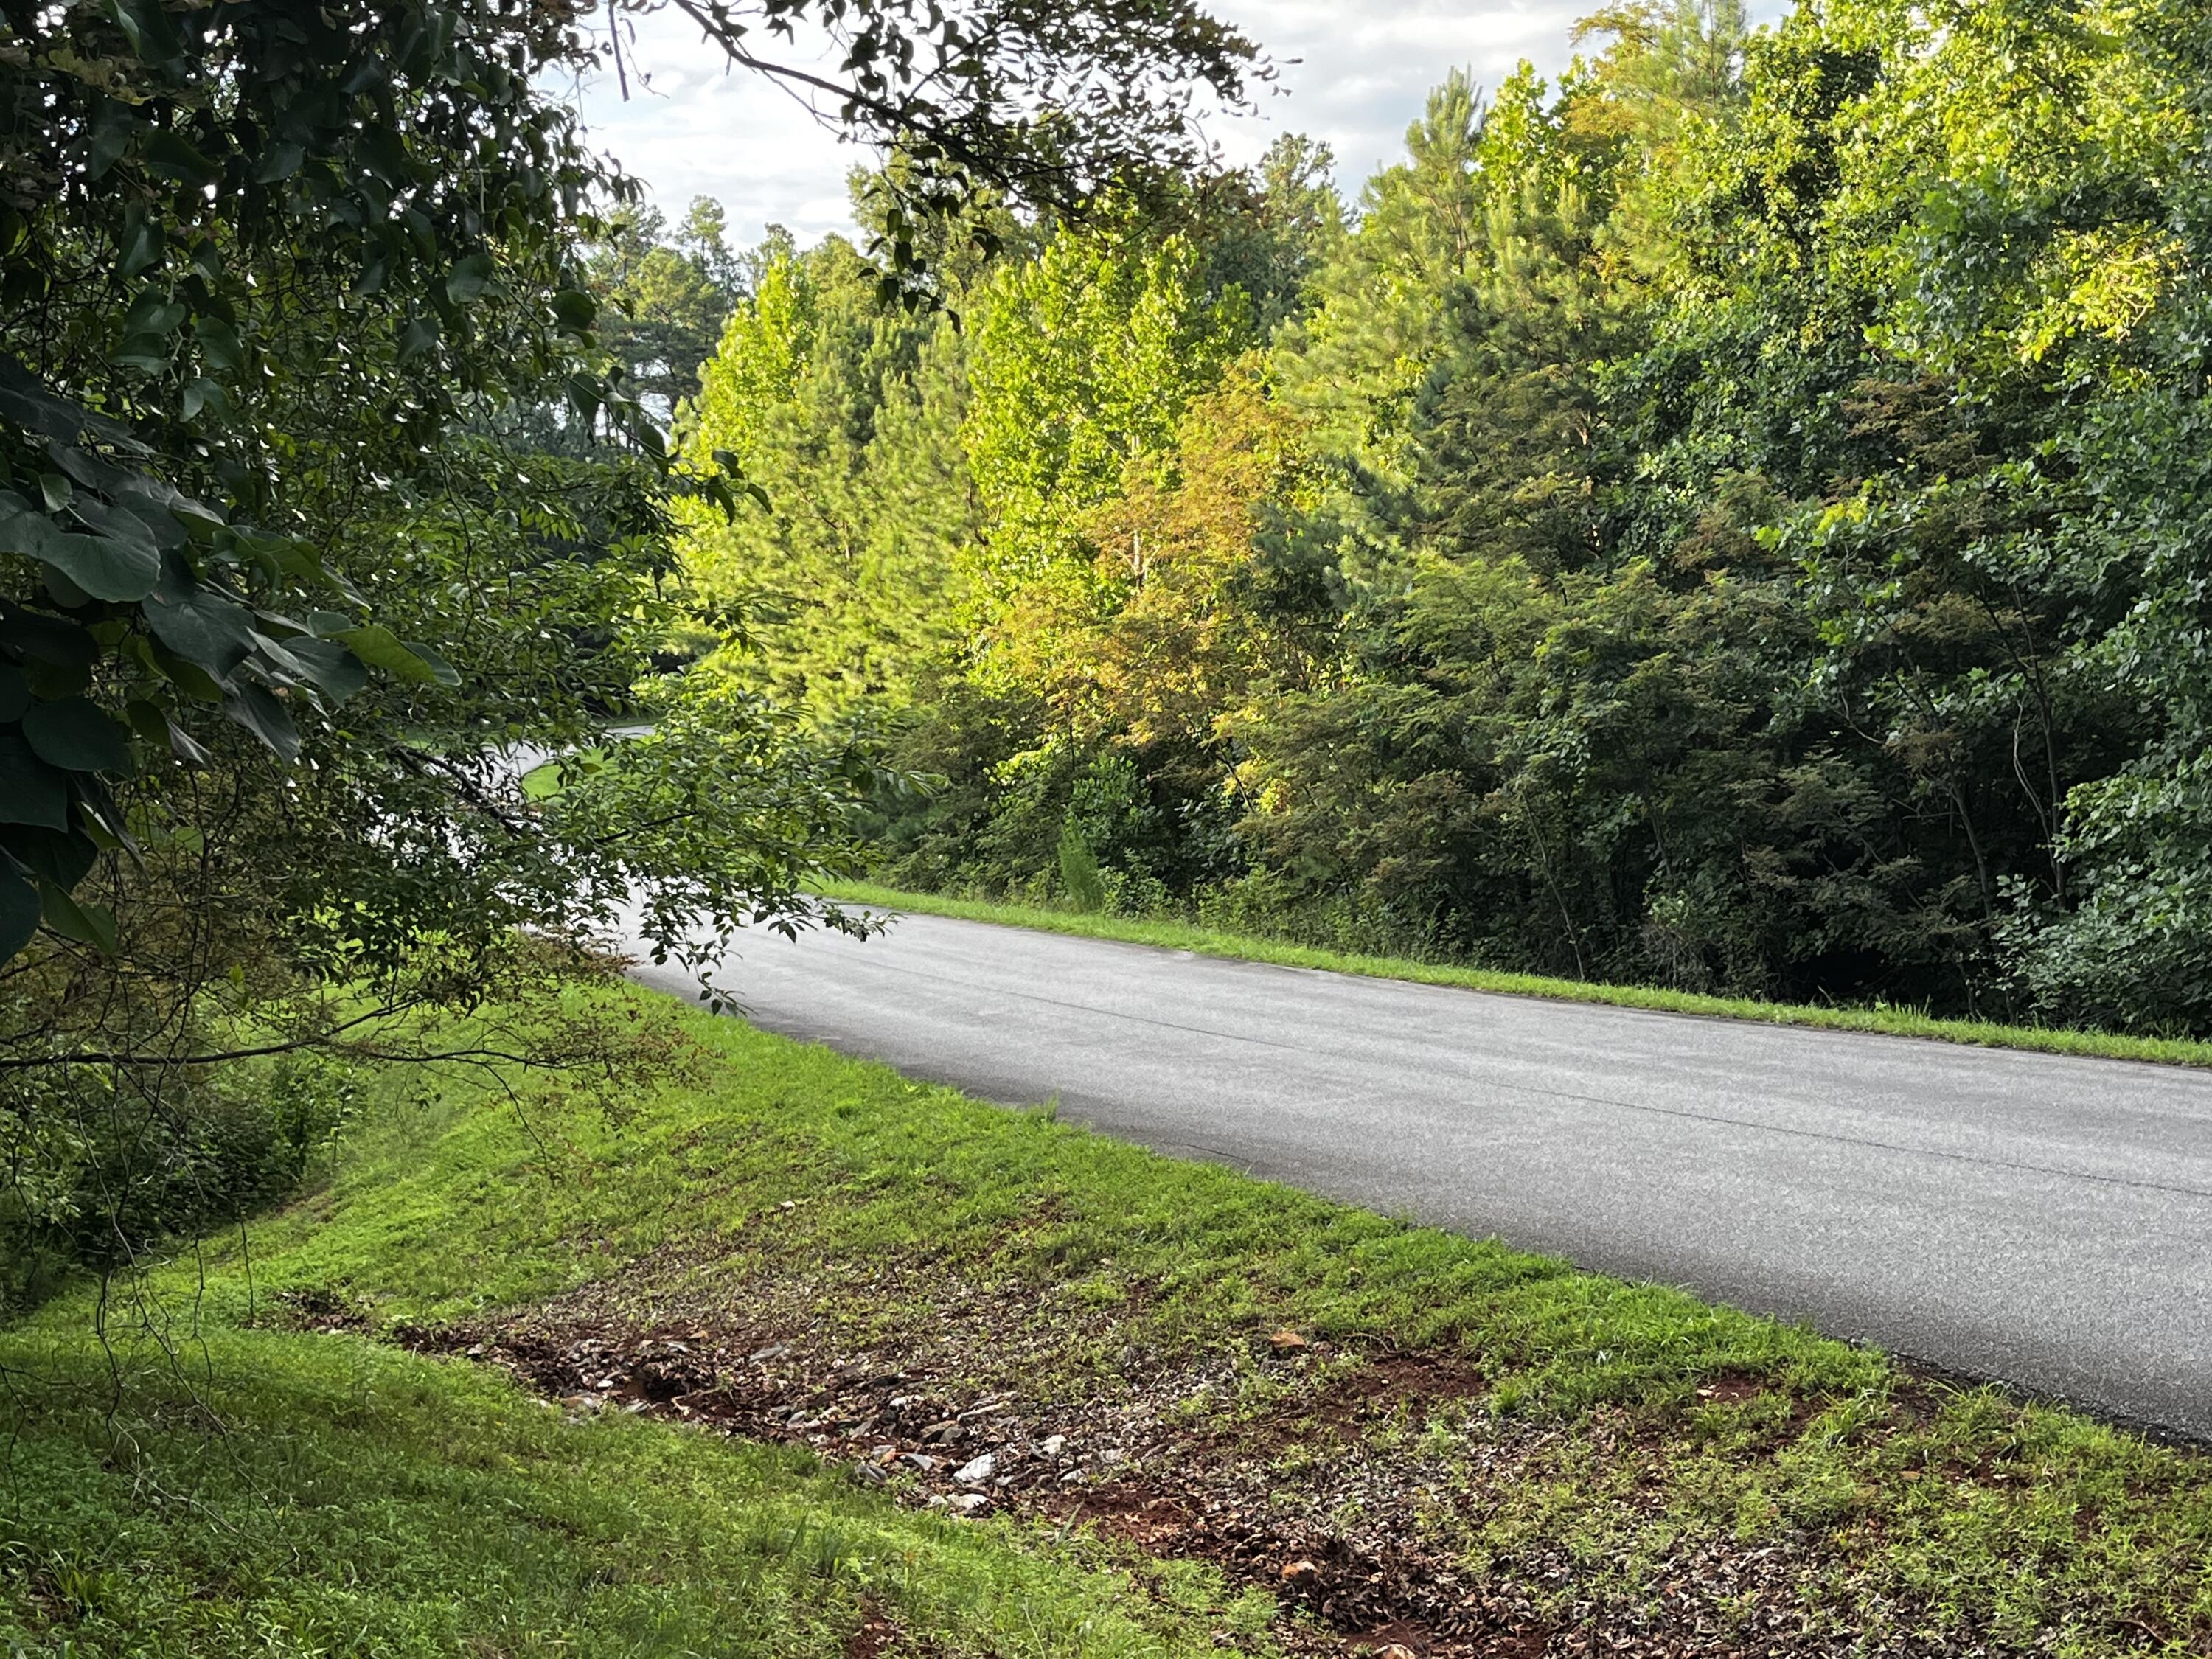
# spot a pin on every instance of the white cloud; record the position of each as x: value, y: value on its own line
x: 1353, y: 75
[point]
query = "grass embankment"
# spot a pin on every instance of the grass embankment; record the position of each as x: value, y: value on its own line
x: 1206, y: 941
x: 1221, y: 1414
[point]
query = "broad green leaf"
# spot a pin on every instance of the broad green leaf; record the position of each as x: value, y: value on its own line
x: 99, y: 815
x: 575, y: 308
x: 170, y: 155
x: 380, y: 648
x: 63, y: 592
x: 469, y: 278
x: 186, y: 675
x: 147, y: 28
x: 256, y: 709
x: 335, y: 671
x: 419, y: 334
x: 116, y: 524
x: 219, y: 344
x: 148, y: 353
x: 154, y: 313
x: 77, y: 736
x: 113, y: 130
x: 19, y: 913
x: 28, y: 403
x: 51, y: 640
x: 88, y: 924
x: 279, y: 162
x: 119, y: 563
x: 103, y: 566
x: 441, y: 670
x: 200, y: 624
x: 31, y: 792
x: 142, y: 244
x: 62, y: 857
x: 155, y: 726
x: 200, y: 392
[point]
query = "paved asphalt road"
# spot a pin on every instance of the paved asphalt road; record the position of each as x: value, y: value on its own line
x: 2040, y: 1219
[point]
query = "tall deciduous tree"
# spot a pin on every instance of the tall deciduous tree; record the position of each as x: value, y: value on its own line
x: 311, y: 532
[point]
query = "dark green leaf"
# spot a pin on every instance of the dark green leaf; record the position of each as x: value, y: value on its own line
x: 186, y: 676
x: 199, y: 624
x: 279, y: 162
x: 148, y: 353
x: 169, y: 155
x: 419, y: 334
x: 121, y: 563
x: 27, y: 402
x: 53, y: 639
x: 333, y: 669
x: 31, y: 792
x: 88, y: 924
x: 77, y: 735
x: 19, y: 913
x: 153, y: 314
x: 574, y: 309
x: 441, y: 670
x: 220, y: 345
x: 112, y: 129
x: 65, y: 593
x: 469, y: 278
x: 62, y: 857
x: 155, y: 726
x: 142, y: 244
x: 380, y: 648
x: 98, y: 815
x: 149, y: 29
x: 256, y: 709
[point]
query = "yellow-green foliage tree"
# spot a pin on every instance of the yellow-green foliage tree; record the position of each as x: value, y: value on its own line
x: 1194, y: 600
x: 1082, y: 364
x: 848, y: 581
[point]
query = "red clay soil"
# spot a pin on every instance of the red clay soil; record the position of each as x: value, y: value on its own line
x: 1321, y: 1495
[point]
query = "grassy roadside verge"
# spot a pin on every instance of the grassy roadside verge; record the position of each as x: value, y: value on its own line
x: 1204, y: 941
x: 1220, y: 1416
x: 227, y: 1469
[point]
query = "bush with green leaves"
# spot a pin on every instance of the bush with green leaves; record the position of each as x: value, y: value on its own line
x: 326, y: 506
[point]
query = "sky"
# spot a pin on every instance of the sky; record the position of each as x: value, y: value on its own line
x: 1353, y: 74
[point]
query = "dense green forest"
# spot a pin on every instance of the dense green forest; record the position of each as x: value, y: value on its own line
x: 1737, y: 517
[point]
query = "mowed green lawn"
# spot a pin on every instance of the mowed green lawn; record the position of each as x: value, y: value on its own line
x: 225, y: 1479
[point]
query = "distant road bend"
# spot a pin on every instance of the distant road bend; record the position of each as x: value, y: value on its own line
x: 2040, y: 1219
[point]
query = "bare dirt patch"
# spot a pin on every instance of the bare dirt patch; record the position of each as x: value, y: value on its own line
x: 876, y: 1637
x: 1355, y: 1487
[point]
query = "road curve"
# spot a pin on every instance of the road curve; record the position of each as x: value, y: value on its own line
x: 2041, y: 1219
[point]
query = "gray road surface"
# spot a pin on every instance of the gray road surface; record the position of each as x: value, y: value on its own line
x: 2043, y: 1220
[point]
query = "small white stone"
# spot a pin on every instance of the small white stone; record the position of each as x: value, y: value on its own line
x: 976, y: 1474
